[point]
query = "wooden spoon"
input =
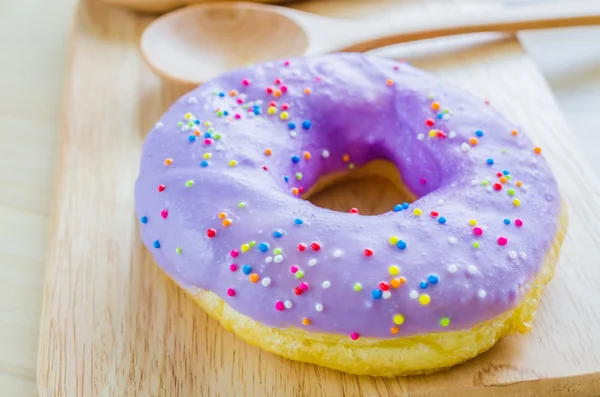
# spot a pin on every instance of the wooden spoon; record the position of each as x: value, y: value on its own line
x: 198, y: 42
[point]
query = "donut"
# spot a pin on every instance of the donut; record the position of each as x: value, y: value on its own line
x: 428, y: 284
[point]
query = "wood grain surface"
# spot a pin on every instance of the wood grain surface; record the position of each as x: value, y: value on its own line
x: 113, y: 325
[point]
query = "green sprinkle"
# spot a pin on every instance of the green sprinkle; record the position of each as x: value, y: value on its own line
x: 252, y: 243
x: 217, y: 137
x: 511, y: 192
x: 189, y: 183
x: 484, y: 183
x: 476, y: 244
x: 242, y: 205
x: 190, y: 124
x: 277, y: 251
x: 446, y: 111
x: 179, y: 124
x: 178, y: 250
x: 357, y: 287
x: 444, y: 321
x: 299, y: 274
x: 299, y: 176
x: 219, y: 113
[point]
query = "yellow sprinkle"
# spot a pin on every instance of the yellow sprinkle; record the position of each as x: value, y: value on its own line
x: 232, y: 163
x: 472, y: 222
x: 424, y: 299
x: 188, y: 116
x: 272, y: 110
x: 393, y: 240
x: 516, y: 202
x: 207, y: 123
x: 432, y: 133
x: 393, y: 270
x: 245, y: 247
x: 417, y: 211
x: 207, y: 155
x: 398, y: 319
x: 284, y: 115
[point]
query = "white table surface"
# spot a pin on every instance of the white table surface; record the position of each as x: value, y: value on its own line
x: 33, y: 45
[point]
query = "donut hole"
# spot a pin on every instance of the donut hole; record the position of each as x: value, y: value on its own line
x: 373, y: 189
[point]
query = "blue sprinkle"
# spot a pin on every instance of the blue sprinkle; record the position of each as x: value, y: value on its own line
x: 423, y: 284
x: 197, y: 121
x: 479, y: 133
x: 256, y: 111
x: 306, y: 124
x: 286, y: 178
x: 144, y: 219
x: 376, y: 294
x: 225, y: 112
x: 247, y: 269
x: 221, y: 94
x: 156, y: 244
x: 439, y: 116
x: 505, y: 172
x: 401, y: 244
x: 263, y: 247
x: 192, y: 138
x: 490, y: 161
x: 292, y: 125
x: 277, y: 233
x: 442, y: 220
x: 204, y: 163
x: 298, y: 221
x: 405, y: 205
x: 507, y: 221
x: 398, y: 207
x: 207, y: 135
x: 295, y: 159
x: 433, y: 279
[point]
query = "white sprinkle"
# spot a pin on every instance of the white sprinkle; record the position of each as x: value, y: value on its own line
x: 326, y: 284
x: 446, y: 116
x: 440, y: 202
x: 268, y: 259
x: 386, y: 294
x: 481, y: 293
x: 219, y: 148
x: 278, y: 258
x: 319, y: 307
x: 288, y: 304
x: 512, y: 255
x: 452, y: 268
x: 192, y: 100
x: 337, y: 253
x: 325, y: 153
x: 452, y: 135
x: 488, y: 189
x: 472, y: 269
x: 158, y: 125
x: 185, y: 128
x: 312, y: 262
x: 522, y: 255
x: 452, y: 240
x: 413, y: 294
x: 420, y: 137
x: 474, y: 182
x: 266, y: 282
x: 465, y: 147
x: 293, y: 134
x: 524, y: 188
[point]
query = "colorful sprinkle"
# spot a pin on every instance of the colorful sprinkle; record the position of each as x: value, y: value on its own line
x: 444, y: 321
x: 424, y: 299
x: 231, y: 292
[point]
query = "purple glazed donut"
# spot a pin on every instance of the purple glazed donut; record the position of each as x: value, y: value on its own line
x: 430, y: 283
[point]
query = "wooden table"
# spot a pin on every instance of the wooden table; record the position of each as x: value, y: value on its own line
x: 30, y: 99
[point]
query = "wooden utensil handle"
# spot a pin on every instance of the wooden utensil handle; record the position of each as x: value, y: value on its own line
x: 383, y: 32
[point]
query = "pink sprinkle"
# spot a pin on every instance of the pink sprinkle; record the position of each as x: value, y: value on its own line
x: 293, y: 268
x: 231, y: 292
x: 396, y: 68
x: 279, y: 305
x: 233, y: 267
x: 303, y: 286
x: 518, y: 222
x: 240, y: 101
x: 477, y: 231
x: 487, y: 101
x: 164, y: 213
x: 502, y: 240
x: 286, y: 63
x: 423, y: 181
x: 318, y: 79
x: 354, y: 336
x: 207, y: 141
x: 269, y: 90
x: 234, y: 253
x: 284, y: 88
x: 246, y: 82
x: 278, y: 81
x: 285, y: 106
x: 238, y: 116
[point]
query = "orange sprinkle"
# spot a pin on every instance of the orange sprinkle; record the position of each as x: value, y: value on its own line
x: 227, y: 222
x: 306, y: 321
x: 222, y: 215
x: 503, y: 179
x: 307, y: 155
x: 268, y: 152
x: 395, y: 282
x: 253, y: 277
x: 197, y: 133
x: 346, y: 158
x: 307, y: 91
x: 435, y: 106
x: 402, y: 280
x: 168, y: 161
x: 394, y: 330
x: 295, y: 191
x: 277, y: 93
x: 473, y: 141
x: 390, y: 82
x: 519, y: 183
x: 514, y: 132
x: 537, y: 150
x: 233, y: 92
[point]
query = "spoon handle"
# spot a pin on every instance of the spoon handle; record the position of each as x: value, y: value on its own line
x: 368, y: 35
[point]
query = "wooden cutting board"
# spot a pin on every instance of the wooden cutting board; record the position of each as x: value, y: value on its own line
x: 114, y: 325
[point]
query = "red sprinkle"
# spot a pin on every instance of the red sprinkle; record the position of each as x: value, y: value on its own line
x: 211, y: 233
x: 278, y: 81
x: 429, y: 122
x: 354, y: 336
x: 161, y: 188
x: 231, y: 292
x: 477, y: 231
x: 384, y: 286
x: 301, y: 247
x: 354, y: 210
x: 269, y: 90
x: 434, y: 213
x: 518, y: 222
x: 441, y: 134
x: 265, y: 167
x: 272, y: 103
x: 502, y: 240
x: 497, y: 186
x: 298, y: 291
x: 368, y: 252
x: 285, y: 106
x: 315, y: 246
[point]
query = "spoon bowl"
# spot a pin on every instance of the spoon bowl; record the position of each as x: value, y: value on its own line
x: 193, y: 44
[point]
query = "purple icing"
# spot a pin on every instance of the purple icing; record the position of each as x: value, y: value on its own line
x: 352, y: 109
